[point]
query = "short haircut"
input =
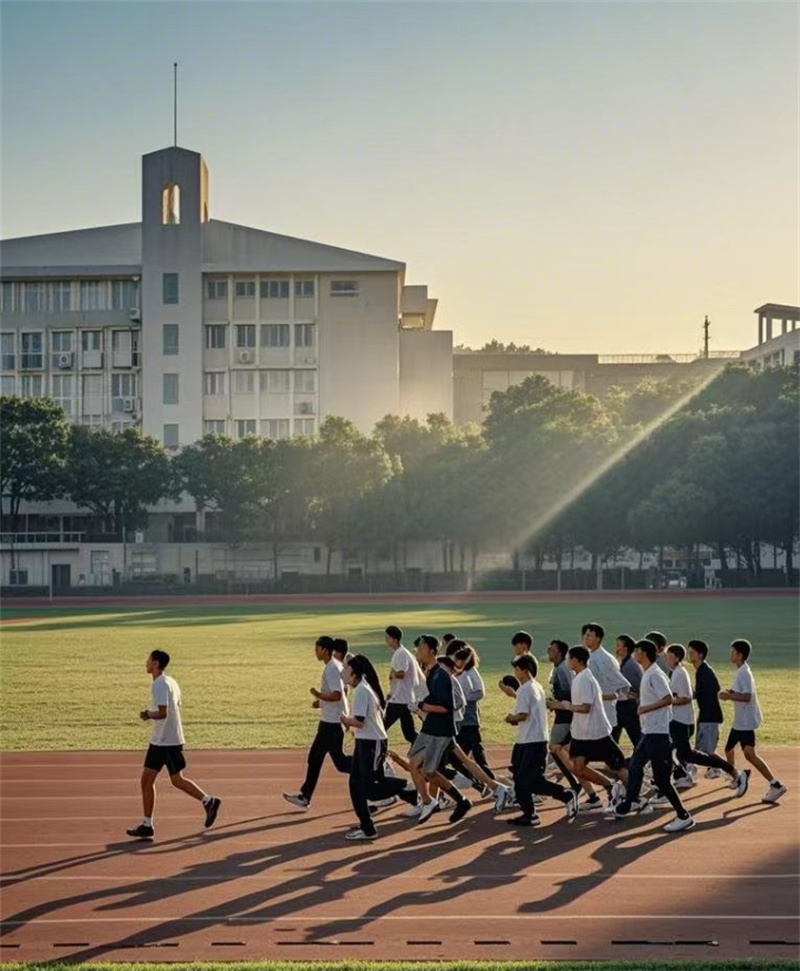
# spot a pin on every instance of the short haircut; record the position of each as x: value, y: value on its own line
x: 431, y: 642
x: 339, y: 645
x: 527, y: 662
x: 647, y: 648
x: 510, y: 681
x: 161, y: 658
x: 562, y: 647
x: 522, y: 637
x: 657, y: 638
x: 579, y: 653
x: 700, y: 646
x: 742, y: 647
x: 594, y: 629
x: 468, y: 657
x: 628, y: 641
x: 394, y: 632
x: 677, y: 650
x: 448, y: 662
x: 326, y: 643
x: 452, y: 646
x: 446, y: 638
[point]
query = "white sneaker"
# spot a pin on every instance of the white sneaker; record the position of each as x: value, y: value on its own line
x: 713, y: 773
x: 691, y: 770
x: 358, y: 835
x: 679, y: 825
x: 502, y: 795
x: 642, y: 808
x: 658, y: 802
x: 426, y: 811
x: 414, y: 811
x: 618, y: 791
x: 297, y: 800
x: 571, y: 807
x: 445, y: 800
x: 388, y: 770
x: 687, y: 782
x: 383, y: 803
x: 774, y: 792
x: 743, y: 782
x: 733, y: 784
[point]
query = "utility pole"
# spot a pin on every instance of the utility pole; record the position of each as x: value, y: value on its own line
x: 706, y: 326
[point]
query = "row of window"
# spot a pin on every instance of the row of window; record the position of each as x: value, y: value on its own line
x: 274, y: 428
x: 38, y: 297
x: 124, y: 343
x: 64, y: 387
x: 271, y: 335
x: 274, y: 381
x: 268, y: 289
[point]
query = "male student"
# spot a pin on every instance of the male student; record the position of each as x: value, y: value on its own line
x: 747, y: 718
x: 404, y: 676
x: 627, y: 719
x: 660, y: 641
x: 529, y: 755
x: 605, y: 668
x: 329, y: 740
x: 706, y: 694
x: 166, y: 747
x: 681, y: 728
x: 561, y: 688
x: 521, y: 643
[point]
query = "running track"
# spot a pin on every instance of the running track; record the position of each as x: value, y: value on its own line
x: 271, y: 882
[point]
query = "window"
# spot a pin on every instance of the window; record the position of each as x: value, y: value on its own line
x: 217, y: 289
x: 30, y: 386
x: 216, y: 337
x: 170, y: 436
x: 91, y: 421
x: 62, y: 392
x: 124, y: 294
x: 344, y: 288
x: 245, y: 335
x: 304, y: 408
x: 123, y: 392
x: 8, y: 358
x: 275, y: 382
x: 275, y: 335
x: 244, y: 427
x: 92, y: 392
x: 8, y: 384
x: 61, y: 295
x: 169, y: 286
x: 120, y: 425
x: 170, y: 389
x: 215, y: 427
x: 61, y: 341
x: 93, y: 295
x: 275, y: 289
x: 8, y: 298
x: 305, y: 335
x: 304, y: 288
x: 169, y: 334
x: 171, y: 205
x: 245, y: 288
x: 92, y: 340
x: 304, y: 427
x: 18, y: 578
x: 275, y: 428
x: 32, y: 356
x: 243, y: 382
x: 34, y: 298
x: 214, y: 382
x: 305, y: 381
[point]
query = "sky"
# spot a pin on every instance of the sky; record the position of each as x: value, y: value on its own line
x: 585, y: 177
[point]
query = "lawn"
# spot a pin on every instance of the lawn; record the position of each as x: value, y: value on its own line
x: 75, y: 679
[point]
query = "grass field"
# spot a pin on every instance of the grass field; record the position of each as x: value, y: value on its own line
x: 75, y: 679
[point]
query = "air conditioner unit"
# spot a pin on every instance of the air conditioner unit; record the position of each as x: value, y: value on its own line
x: 245, y: 357
x: 65, y: 359
x: 128, y: 404
x: 135, y: 314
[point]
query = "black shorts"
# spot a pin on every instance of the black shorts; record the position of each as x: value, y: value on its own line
x: 604, y: 750
x: 170, y: 757
x: 741, y: 737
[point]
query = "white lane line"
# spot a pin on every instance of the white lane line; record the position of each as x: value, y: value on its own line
x: 536, y: 875
x: 426, y: 915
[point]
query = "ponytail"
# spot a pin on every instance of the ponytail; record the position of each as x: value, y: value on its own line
x: 362, y: 667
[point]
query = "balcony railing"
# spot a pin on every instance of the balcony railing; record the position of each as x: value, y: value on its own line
x: 41, y: 539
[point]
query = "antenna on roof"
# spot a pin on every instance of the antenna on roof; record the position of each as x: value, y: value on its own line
x: 706, y: 326
x: 175, y: 103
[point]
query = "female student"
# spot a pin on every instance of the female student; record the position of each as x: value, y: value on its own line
x: 469, y: 736
x: 367, y: 779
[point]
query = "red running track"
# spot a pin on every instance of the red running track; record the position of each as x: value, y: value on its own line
x: 269, y: 881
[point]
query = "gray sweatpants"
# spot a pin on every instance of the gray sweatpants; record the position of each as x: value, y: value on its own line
x: 706, y: 738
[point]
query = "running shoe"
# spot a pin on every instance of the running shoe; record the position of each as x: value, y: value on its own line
x: 713, y: 773
x: 212, y: 808
x: 359, y: 836
x: 383, y: 803
x: 679, y: 825
x: 141, y: 832
x: 427, y: 810
x: 571, y: 807
x: 502, y: 795
x: 685, y: 782
x: 774, y: 792
x: 461, y: 810
x: 525, y: 821
x: 296, y: 799
x: 658, y: 802
x: 590, y: 804
x: 743, y: 782
x: 414, y: 812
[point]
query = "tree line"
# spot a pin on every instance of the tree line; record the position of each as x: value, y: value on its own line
x: 551, y: 470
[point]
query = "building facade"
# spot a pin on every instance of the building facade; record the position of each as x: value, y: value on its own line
x: 186, y: 325
x: 778, y: 337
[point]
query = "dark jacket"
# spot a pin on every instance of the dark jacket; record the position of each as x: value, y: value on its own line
x: 706, y: 691
x: 440, y: 692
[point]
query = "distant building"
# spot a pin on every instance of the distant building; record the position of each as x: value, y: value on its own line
x: 775, y: 349
x: 186, y: 325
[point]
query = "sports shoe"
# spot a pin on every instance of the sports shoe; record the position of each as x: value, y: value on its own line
x: 212, y: 808
x: 733, y: 784
x: 414, y: 811
x: 297, y: 799
x: 679, y: 825
x: 445, y: 799
x: 461, y: 810
x: 141, y: 832
x: 590, y: 804
x: 686, y: 782
x: 774, y: 792
x: 383, y: 803
x: 358, y: 835
x: 571, y: 807
x: 618, y: 791
x: 525, y: 821
x: 642, y: 808
x: 713, y: 773
x: 691, y: 770
x: 388, y: 770
x: 743, y: 782
x: 427, y: 810
x: 502, y: 795
x: 658, y: 802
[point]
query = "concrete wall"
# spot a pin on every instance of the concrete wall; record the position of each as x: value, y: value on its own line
x: 426, y: 373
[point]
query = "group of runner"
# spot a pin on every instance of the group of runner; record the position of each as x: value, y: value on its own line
x: 435, y: 694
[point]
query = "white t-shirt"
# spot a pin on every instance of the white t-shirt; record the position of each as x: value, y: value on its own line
x: 365, y: 705
x: 530, y: 700
x: 746, y: 714
x: 681, y: 687
x: 402, y: 690
x: 653, y: 687
x: 332, y: 680
x: 605, y: 668
x: 594, y: 724
x: 169, y: 730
